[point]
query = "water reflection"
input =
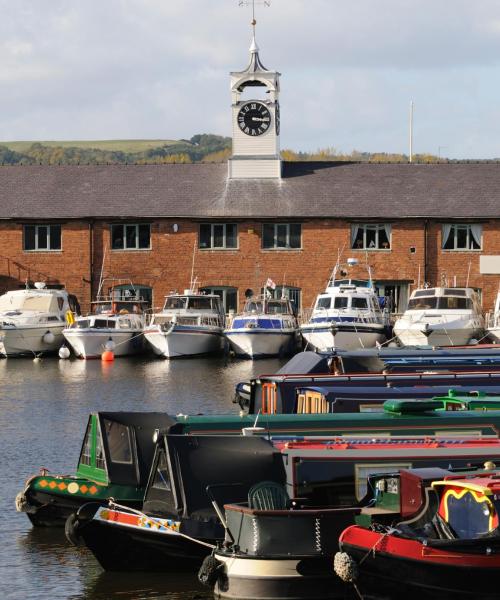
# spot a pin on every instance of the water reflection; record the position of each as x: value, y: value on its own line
x: 44, y: 409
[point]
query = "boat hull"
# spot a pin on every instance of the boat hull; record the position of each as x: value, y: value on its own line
x: 427, y: 572
x: 258, y: 343
x: 443, y: 334
x: 91, y: 343
x: 276, y: 579
x: 323, y: 337
x: 184, y: 341
x: 129, y: 542
x: 29, y: 340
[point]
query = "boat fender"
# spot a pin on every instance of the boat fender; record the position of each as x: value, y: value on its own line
x: 22, y: 502
x: 209, y: 571
x: 71, y: 530
x: 345, y: 567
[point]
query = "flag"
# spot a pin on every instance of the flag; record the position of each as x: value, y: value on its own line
x: 270, y: 284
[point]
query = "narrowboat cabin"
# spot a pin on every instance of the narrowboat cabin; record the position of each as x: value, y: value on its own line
x: 115, y: 460
x: 443, y: 541
x: 193, y: 475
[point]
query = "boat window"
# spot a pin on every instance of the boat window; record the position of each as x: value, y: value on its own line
x: 253, y: 306
x: 118, y: 437
x: 175, y: 303
x: 454, y: 292
x: 86, y: 455
x: 429, y: 292
x: 341, y: 302
x: 469, y: 513
x: 125, y: 324
x: 103, y: 308
x: 449, y: 303
x: 359, y: 303
x: 100, y: 461
x: 40, y: 303
x: 323, y: 303
x: 52, y: 318
x: 199, y: 303
x: 104, y: 324
x: 82, y: 323
x: 422, y: 303
x: 276, y: 308
x: 162, y: 475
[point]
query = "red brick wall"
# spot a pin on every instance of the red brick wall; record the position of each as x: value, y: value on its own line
x: 168, y: 264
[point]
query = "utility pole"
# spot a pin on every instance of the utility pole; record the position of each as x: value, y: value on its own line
x: 411, y: 131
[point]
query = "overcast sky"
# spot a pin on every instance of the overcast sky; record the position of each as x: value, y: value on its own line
x: 121, y: 69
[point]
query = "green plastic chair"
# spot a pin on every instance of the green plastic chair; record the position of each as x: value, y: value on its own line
x: 268, y: 495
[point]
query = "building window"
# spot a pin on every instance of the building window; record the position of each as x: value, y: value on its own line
x: 281, y: 236
x: 131, y: 237
x: 371, y: 236
x: 42, y: 237
x: 218, y: 235
x: 228, y: 296
x: 280, y: 291
x: 461, y: 237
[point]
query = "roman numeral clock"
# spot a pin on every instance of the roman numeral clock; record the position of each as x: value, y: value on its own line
x: 256, y: 123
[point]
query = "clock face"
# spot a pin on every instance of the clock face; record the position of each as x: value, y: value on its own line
x: 277, y: 118
x: 254, y: 118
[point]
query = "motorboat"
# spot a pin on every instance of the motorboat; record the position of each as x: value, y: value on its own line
x: 115, y: 459
x: 113, y: 325
x: 441, y: 316
x: 189, y: 324
x: 444, y: 543
x: 192, y: 474
x: 32, y: 320
x: 266, y: 327
x: 346, y: 315
x: 493, y: 328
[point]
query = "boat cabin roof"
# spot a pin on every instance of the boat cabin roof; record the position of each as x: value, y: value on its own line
x: 485, y: 483
x: 118, y: 446
x: 455, y: 292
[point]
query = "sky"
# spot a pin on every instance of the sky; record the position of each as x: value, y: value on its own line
x: 159, y: 69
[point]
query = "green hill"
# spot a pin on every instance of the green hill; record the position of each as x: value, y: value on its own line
x: 128, y: 146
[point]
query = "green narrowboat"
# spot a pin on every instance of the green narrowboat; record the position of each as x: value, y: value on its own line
x: 114, y: 462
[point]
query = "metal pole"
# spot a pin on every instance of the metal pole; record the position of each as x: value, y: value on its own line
x: 411, y: 131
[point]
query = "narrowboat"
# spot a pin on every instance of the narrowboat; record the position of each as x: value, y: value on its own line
x: 280, y: 392
x: 115, y: 460
x: 192, y: 474
x: 445, y: 543
x: 281, y: 548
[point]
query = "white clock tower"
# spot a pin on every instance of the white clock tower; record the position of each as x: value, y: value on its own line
x: 256, y: 123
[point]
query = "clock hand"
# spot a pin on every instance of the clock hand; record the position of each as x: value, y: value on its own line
x: 259, y: 119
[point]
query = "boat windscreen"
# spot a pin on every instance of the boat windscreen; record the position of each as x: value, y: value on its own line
x: 469, y: 513
x: 199, y: 303
x: 228, y: 465
x: 304, y: 363
x: 341, y: 302
x: 323, y: 302
x: 425, y: 303
x: 359, y: 303
x: 175, y: 303
x: 39, y: 303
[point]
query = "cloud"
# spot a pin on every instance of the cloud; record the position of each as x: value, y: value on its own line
x: 81, y: 69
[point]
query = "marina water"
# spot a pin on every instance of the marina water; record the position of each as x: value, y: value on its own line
x: 44, y: 408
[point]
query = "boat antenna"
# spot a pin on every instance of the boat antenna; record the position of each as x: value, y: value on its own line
x: 192, y: 268
x: 468, y: 274
x: 101, y: 276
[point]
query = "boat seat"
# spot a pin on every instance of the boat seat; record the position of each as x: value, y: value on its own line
x: 268, y: 495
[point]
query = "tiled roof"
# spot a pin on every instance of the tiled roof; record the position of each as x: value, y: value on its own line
x: 307, y: 190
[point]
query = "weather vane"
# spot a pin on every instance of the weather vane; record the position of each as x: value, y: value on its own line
x: 253, y: 3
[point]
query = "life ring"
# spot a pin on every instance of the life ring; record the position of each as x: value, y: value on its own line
x: 70, y: 317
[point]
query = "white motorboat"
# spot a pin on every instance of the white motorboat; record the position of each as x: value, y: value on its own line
x: 493, y: 328
x: 441, y: 316
x: 114, y: 325
x: 189, y: 324
x: 346, y: 315
x: 266, y: 327
x: 32, y: 320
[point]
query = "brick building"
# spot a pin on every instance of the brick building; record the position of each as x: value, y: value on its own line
x: 237, y: 224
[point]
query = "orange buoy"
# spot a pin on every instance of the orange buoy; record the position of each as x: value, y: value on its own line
x: 107, y: 356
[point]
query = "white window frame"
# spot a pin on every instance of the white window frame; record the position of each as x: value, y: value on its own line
x: 454, y: 229
x: 49, y: 227
x: 373, y: 226
x: 275, y: 237
x: 124, y: 237
x: 212, y: 247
